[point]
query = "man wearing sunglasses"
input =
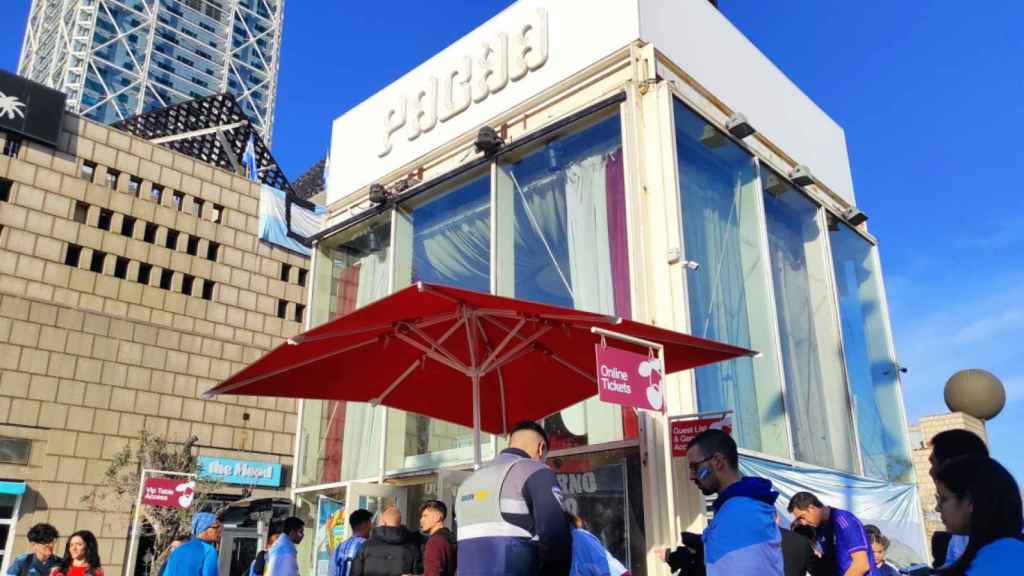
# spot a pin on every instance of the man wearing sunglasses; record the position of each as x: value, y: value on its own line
x: 742, y: 538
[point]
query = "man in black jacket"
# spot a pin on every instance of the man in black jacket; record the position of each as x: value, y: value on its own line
x: 392, y: 550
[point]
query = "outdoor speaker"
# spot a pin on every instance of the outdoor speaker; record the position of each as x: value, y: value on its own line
x: 739, y: 127
x: 801, y: 176
x: 854, y: 216
x: 488, y: 141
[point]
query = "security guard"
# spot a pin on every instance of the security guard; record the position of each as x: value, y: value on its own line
x: 509, y: 513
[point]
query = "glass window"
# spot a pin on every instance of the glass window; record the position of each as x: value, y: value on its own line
x: 562, y: 240
x: 450, y: 236
x: 728, y: 294
x: 604, y: 489
x: 340, y: 440
x: 816, y: 394
x: 873, y: 372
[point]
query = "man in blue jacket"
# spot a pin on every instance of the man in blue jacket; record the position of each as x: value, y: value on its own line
x: 283, y: 559
x: 198, y: 556
x: 41, y: 560
x: 510, y: 514
x: 742, y: 538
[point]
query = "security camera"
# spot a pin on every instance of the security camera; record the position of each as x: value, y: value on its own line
x: 691, y: 265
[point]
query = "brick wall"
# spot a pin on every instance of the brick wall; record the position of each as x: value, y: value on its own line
x: 110, y: 325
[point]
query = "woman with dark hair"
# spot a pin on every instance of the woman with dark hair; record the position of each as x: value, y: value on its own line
x: 81, y: 556
x: 979, y: 498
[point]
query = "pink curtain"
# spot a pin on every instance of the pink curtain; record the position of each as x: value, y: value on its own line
x: 615, y: 189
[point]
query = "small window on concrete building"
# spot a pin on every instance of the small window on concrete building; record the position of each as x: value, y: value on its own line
x: 179, y: 200
x: 282, y: 308
x: 166, y: 276
x: 218, y: 213
x: 12, y: 145
x: 208, y: 289
x: 105, y: 217
x: 121, y: 268
x: 286, y: 271
x: 81, y: 212
x: 300, y: 310
x: 211, y: 251
x: 128, y: 226
x: 197, y: 207
x: 144, y: 272
x: 156, y: 194
x: 187, y: 281
x: 193, y: 245
x: 98, y: 258
x: 112, y: 177
x: 135, y: 186
x: 302, y: 276
x: 73, y: 255
x: 5, y: 190
x: 15, y: 451
x: 172, y: 239
x: 88, y: 170
x: 150, y: 234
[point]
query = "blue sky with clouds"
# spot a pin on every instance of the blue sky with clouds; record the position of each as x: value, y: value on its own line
x: 931, y: 96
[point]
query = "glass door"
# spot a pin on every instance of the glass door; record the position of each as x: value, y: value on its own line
x: 375, y: 498
x: 448, y: 482
x: 238, y: 548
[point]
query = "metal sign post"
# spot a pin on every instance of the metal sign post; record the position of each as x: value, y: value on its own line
x: 133, y: 536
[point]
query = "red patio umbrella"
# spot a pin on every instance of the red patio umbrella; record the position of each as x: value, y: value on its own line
x: 474, y: 359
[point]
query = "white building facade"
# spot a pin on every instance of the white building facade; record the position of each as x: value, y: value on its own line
x: 119, y: 58
x: 618, y: 189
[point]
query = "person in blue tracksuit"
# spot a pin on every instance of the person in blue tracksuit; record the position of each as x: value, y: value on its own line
x: 742, y: 538
x: 360, y: 522
x: 840, y: 534
x: 979, y: 498
x: 510, y: 514
x: 283, y: 557
x: 198, y: 556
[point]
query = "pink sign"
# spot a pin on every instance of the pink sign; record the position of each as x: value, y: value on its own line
x: 629, y: 379
x: 168, y: 492
x: 684, y: 431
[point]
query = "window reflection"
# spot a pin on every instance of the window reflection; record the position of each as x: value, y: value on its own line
x: 816, y: 396
x: 448, y: 233
x: 562, y: 240
x: 728, y: 295
x: 341, y: 440
x: 872, y: 369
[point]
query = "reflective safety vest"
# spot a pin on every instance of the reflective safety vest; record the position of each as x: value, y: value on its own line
x: 488, y: 544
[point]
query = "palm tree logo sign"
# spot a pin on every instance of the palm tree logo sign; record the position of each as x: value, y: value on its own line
x: 11, y: 107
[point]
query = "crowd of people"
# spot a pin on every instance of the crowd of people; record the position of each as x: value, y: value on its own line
x: 512, y: 523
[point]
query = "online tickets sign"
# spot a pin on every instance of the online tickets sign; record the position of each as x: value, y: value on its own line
x: 629, y: 379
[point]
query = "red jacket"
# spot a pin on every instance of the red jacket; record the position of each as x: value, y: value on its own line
x: 439, y: 554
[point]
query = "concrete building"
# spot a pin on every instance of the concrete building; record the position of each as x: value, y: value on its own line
x: 119, y: 58
x: 131, y: 280
x: 920, y: 438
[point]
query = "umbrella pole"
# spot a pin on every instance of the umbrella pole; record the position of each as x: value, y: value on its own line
x: 476, y: 420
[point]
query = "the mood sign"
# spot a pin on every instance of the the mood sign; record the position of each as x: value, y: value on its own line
x: 629, y: 379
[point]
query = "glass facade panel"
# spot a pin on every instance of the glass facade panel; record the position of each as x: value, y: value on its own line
x: 605, y: 489
x: 449, y: 237
x: 873, y: 372
x: 728, y: 295
x: 562, y: 240
x: 340, y: 440
x: 816, y: 393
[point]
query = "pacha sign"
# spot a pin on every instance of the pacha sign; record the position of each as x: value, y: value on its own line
x: 629, y: 379
x: 685, y: 429
x: 470, y: 79
x: 243, y: 472
x: 30, y: 109
x: 168, y: 492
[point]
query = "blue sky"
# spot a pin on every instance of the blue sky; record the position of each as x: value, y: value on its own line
x: 930, y: 95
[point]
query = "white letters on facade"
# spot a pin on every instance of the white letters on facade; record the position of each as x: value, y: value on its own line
x: 493, y: 64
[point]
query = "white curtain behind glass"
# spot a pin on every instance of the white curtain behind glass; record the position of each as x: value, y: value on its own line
x: 361, y: 449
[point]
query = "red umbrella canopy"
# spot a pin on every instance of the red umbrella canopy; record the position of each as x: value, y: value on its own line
x: 418, y: 350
